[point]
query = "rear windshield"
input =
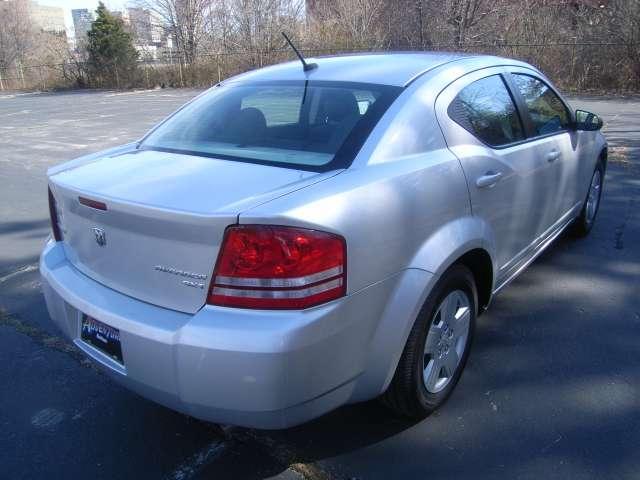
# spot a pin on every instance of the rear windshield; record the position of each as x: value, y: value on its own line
x: 309, y: 125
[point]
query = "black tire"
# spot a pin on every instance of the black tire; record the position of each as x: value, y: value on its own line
x: 407, y: 394
x: 583, y: 224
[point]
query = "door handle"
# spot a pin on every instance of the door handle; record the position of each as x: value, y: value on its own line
x: 553, y: 155
x: 489, y: 179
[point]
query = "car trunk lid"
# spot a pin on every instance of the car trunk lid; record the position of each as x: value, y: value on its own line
x: 158, y: 235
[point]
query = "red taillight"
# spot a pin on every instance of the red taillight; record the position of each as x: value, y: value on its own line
x: 92, y: 203
x: 273, y: 267
x: 53, y: 215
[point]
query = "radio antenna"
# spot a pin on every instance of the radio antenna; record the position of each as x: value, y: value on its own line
x: 305, y: 66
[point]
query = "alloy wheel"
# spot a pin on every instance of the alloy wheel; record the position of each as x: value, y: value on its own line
x: 446, y: 341
x: 593, y: 199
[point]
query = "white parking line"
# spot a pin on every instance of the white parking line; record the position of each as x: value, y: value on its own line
x: 22, y: 112
x: 19, y: 271
x: 190, y: 467
x: 47, y: 418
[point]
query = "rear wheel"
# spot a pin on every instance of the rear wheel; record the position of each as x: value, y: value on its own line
x: 584, y: 223
x: 437, y: 347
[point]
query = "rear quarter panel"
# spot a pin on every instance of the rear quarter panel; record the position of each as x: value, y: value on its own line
x: 386, y: 212
x: 400, y: 220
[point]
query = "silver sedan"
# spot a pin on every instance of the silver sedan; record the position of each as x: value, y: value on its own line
x: 296, y: 239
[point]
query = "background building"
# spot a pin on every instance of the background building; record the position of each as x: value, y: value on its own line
x: 149, y: 33
x: 140, y: 22
x: 82, y: 20
x: 47, y: 19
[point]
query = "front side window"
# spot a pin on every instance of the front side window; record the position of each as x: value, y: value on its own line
x: 485, y: 108
x: 547, y: 111
x: 302, y: 125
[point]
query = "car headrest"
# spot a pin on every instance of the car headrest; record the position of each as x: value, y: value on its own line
x: 340, y: 104
x: 249, y: 123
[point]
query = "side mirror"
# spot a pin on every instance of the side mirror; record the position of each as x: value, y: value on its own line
x: 587, y: 121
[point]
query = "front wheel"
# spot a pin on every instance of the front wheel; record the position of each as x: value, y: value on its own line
x: 584, y: 223
x: 437, y: 348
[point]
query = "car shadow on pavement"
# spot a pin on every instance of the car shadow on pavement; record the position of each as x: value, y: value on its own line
x: 39, y: 226
x: 554, y: 369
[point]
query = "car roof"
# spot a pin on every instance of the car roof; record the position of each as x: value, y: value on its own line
x: 384, y: 68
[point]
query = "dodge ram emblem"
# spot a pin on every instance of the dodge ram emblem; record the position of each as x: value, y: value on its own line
x: 101, y: 238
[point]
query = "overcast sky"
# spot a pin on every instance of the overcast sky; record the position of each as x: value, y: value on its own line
x: 90, y: 4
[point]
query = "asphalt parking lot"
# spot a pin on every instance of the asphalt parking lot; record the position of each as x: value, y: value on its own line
x: 551, y: 390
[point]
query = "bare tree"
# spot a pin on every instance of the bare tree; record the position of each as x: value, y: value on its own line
x: 624, y: 27
x: 185, y: 22
x: 257, y: 23
x: 465, y: 14
x: 354, y: 23
x: 254, y: 27
x: 220, y: 26
x: 16, y: 32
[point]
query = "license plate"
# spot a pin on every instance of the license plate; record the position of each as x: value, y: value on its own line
x: 101, y: 336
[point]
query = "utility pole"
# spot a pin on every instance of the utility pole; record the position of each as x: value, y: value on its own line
x: 44, y: 85
x: 21, y: 72
x: 420, y: 24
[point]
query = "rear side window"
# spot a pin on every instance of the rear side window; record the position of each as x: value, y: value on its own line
x: 485, y: 108
x: 547, y: 111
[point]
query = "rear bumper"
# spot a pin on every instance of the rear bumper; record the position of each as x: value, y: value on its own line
x: 264, y: 369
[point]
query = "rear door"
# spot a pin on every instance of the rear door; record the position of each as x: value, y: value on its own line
x: 508, y: 176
